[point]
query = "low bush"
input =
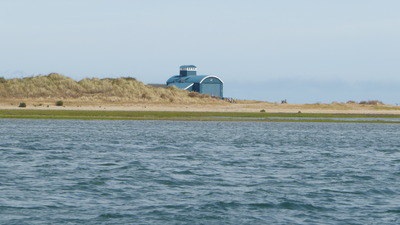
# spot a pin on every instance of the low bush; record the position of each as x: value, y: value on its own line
x: 59, y: 103
x: 22, y: 105
x: 193, y: 94
x: 371, y: 102
x: 205, y: 96
x: 146, y: 96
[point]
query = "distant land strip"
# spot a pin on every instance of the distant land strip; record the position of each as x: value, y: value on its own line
x: 54, y: 93
x: 197, y: 116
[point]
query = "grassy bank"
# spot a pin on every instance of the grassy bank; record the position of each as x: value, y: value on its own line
x: 190, y: 116
x: 55, y: 87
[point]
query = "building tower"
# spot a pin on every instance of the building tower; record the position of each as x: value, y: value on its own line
x: 188, y: 70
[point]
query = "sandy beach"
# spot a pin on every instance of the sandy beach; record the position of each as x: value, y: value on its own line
x: 240, y: 106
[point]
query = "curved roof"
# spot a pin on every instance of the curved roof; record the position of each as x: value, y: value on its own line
x: 191, y: 79
x: 173, y: 79
x: 183, y: 86
x: 201, y: 78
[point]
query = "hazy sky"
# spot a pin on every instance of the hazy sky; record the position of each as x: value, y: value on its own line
x: 304, y: 51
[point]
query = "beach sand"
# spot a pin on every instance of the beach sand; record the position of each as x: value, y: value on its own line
x: 240, y: 106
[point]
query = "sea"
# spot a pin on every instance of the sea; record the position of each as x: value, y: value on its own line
x: 196, y: 172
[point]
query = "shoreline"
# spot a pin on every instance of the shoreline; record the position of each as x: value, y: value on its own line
x: 197, y: 116
x: 240, y: 107
x: 243, y: 110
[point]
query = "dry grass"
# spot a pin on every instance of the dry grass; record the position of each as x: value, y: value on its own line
x: 55, y: 87
x: 128, y: 94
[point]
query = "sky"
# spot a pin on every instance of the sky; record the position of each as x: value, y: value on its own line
x: 308, y: 51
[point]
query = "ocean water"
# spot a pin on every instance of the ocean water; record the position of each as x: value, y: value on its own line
x: 169, y: 172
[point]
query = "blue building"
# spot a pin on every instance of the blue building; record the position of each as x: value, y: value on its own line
x: 190, y: 81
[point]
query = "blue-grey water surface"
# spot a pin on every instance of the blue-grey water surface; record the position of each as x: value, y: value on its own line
x: 166, y: 172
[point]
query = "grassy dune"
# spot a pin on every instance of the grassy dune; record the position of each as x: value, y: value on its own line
x: 55, y: 86
x: 128, y: 94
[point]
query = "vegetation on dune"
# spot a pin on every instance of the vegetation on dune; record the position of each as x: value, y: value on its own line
x: 59, y: 103
x: 56, y: 86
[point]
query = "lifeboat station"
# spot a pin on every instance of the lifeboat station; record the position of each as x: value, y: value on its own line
x: 190, y: 81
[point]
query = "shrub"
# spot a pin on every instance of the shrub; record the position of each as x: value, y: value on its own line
x: 371, y: 102
x: 146, y: 96
x: 22, y: 105
x: 2, y: 80
x: 375, y: 102
x: 193, y: 94
x: 59, y: 103
x: 262, y: 110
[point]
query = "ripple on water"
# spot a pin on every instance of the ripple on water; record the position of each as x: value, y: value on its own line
x: 163, y: 172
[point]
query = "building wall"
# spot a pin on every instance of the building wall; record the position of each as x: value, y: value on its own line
x: 196, y: 87
x: 211, y: 86
x: 187, y: 73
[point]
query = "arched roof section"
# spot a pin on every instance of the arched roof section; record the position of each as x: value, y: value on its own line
x: 173, y: 79
x: 184, y: 86
x: 200, y: 79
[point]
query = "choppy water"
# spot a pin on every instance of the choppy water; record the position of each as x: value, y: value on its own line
x: 160, y: 172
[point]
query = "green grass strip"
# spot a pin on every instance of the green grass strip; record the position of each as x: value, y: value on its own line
x: 190, y: 116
